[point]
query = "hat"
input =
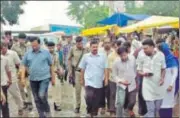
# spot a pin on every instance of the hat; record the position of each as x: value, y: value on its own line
x: 22, y: 35
x: 50, y: 43
x: 79, y: 39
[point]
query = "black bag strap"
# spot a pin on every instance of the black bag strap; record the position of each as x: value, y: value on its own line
x: 79, y: 59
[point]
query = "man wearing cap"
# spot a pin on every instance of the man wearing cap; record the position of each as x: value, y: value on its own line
x: 74, y: 59
x: 57, y: 69
x: 21, y: 48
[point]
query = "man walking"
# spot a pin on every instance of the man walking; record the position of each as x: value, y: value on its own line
x: 61, y: 60
x: 74, y: 58
x: 57, y: 70
x: 152, y: 68
x: 5, y: 84
x: 124, y: 73
x: 21, y: 48
x: 112, y: 84
x: 14, y: 63
x: 66, y: 49
x: 93, y: 73
x: 41, y: 71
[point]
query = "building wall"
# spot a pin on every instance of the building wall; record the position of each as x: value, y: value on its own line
x: 68, y: 30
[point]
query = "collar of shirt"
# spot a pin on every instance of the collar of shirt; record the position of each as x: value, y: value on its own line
x: 94, y: 55
x: 40, y: 50
x: 7, y: 53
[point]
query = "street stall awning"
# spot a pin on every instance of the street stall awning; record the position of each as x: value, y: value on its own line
x: 96, y: 30
x: 151, y: 22
x: 121, y: 19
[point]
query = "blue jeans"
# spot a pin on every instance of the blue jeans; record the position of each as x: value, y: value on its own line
x: 120, y: 100
x: 153, y: 108
x: 40, y: 93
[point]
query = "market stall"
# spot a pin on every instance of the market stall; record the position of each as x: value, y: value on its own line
x: 151, y: 22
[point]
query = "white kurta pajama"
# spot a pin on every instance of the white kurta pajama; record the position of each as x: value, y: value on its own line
x: 170, y: 79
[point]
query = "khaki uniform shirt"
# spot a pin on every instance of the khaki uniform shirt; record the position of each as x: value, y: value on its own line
x: 55, y: 61
x: 74, y: 56
x: 20, y: 49
x: 13, y: 59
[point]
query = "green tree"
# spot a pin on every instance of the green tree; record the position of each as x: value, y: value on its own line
x: 93, y: 15
x: 76, y: 9
x: 164, y: 8
x: 10, y: 11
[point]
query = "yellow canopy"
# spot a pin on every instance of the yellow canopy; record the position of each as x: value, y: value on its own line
x: 151, y: 22
x: 97, y: 30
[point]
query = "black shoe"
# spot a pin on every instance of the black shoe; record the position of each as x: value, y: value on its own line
x: 30, y: 107
x: 77, y: 110
x: 57, y: 108
x: 25, y: 106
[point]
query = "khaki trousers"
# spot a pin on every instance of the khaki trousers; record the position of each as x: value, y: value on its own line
x: 15, y: 93
x: 56, y: 92
x: 27, y: 97
x: 77, y: 89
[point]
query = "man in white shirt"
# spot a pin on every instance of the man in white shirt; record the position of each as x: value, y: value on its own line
x: 14, y: 62
x: 5, y: 83
x: 124, y: 73
x: 152, y: 67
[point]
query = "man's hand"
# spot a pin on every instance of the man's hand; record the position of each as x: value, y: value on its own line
x: 105, y: 82
x: 3, y: 98
x: 82, y: 82
x: 124, y: 82
x: 9, y: 83
x: 161, y: 82
x: 53, y: 81
x: 23, y: 82
x: 169, y: 89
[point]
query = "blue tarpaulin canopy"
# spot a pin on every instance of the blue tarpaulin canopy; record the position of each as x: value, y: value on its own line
x: 121, y: 19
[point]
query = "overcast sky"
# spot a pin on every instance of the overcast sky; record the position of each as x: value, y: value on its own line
x: 38, y: 13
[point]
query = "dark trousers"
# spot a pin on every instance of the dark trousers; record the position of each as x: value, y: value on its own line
x: 105, y: 97
x: 112, y: 98
x: 130, y: 100
x: 93, y: 97
x: 40, y: 93
x: 141, y: 102
x: 166, y: 113
x: 5, y: 106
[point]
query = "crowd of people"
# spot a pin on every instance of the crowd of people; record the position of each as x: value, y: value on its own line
x: 113, y: 71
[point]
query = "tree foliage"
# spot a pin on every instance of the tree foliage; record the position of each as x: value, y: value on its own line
x: 77, y: 9
x: 93, y: 15
x: 164, y: 8
x: 10, y: 11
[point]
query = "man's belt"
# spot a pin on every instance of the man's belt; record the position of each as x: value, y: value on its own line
x: 79, y: 70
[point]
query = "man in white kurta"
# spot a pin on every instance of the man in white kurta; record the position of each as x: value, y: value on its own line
x: 152, y: 68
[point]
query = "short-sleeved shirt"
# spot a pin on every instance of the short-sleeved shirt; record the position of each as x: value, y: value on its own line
x: 13, y: 60
x: 111, y: 58
x: 38, y: 64
x: 20, y: 49
x: 94, y: 66
x: 55, y: 61
x: 151, y: 88
x: 75, y: 55
x: 4, y: 68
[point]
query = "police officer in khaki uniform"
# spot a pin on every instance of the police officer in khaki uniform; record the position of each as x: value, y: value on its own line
x: 58, y: 71
x: 21, y: 48
x: 74, y: 59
